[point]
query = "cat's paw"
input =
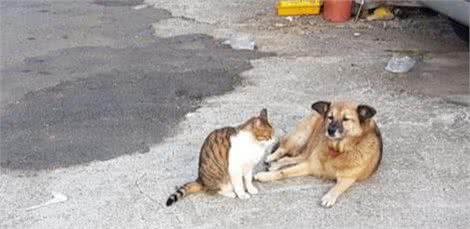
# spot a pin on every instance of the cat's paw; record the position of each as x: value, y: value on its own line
x: 243, y: 195
x: 252, y: 189
x: 328, y: 200
x: 229, y: 194
x: 263, y: 176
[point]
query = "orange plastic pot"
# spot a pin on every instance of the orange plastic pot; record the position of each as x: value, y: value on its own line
x: 337, y: 10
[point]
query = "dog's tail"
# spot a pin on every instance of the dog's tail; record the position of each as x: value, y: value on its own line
x: 379, y: 136
x: 190, y: 187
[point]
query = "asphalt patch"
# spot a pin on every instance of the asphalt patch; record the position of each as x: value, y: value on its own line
x: 118, y: 2
x: 120, y: 101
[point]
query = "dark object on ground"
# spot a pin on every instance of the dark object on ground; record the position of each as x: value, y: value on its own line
x: 460, y: 29
x: 399, y: 13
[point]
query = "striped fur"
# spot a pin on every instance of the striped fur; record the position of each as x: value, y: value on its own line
x: 190, y: 187
x: 214, y: 175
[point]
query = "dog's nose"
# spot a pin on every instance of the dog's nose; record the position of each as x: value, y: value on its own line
x: 331, y: 130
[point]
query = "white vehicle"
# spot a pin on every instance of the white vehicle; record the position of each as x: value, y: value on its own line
x: 456, y: 10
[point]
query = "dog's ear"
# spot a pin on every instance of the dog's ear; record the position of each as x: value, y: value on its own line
x: 365, y: 112
x: 264, y: 113
x: 321, y: 107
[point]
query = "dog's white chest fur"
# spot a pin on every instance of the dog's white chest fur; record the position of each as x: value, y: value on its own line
x: 245, y: 150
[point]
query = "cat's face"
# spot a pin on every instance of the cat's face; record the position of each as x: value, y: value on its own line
x: 260, y: 126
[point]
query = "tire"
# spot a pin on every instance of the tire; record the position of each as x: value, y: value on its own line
x: 460, y: 29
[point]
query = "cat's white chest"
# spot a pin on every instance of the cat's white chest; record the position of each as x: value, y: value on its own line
x: 245, y: 150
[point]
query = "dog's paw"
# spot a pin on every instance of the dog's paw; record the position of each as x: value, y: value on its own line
x: 243, y: 195
x: 274, y: 167
x: 328, y: 200
x: 252, y: 190
x: 263, y: 176
x: 269, y: 159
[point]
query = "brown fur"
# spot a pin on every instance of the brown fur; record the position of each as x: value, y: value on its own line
x: 350, y: 158
x: 213, y: 172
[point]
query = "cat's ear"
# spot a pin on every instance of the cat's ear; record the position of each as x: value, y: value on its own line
x: 264, y: 113
x: 258, y: 123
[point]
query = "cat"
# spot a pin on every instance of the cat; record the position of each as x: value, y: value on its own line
x: 227, y: 159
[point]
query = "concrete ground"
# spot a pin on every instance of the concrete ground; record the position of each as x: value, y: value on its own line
x: 94, y: 83
x: 424, y: 178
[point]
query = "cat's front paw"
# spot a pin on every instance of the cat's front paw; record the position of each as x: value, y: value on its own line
x: 263, y: 176
x: 243, y: 195
x: 252, y: 189
x: 229, y: 194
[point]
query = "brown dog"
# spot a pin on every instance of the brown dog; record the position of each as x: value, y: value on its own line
x: 341, y: 141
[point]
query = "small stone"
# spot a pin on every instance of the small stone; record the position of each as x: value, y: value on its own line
x: 188, y: 115
x: 139, y: 7
x: 357, y: 34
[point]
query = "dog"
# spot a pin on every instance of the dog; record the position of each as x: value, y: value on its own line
x: 338, y: 141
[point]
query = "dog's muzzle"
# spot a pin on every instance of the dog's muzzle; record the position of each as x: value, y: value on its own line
x: 333, y: 130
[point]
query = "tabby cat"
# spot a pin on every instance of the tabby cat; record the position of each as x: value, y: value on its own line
x: 227, y: 159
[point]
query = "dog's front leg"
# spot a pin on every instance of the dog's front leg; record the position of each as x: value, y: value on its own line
x: 301, y: 169
x: 284, y: 162
x: 296, y: 140
x: 280, y: 152
x: 342, y: 184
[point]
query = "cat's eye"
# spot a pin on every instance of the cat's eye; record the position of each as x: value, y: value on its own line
x: 345, y: 119
x: 330, y: 117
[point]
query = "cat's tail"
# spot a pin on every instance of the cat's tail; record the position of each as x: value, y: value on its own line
x: 190, y: 187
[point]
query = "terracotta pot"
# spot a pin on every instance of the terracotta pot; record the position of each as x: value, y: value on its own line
x: 337, y: 10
